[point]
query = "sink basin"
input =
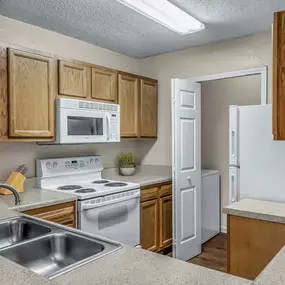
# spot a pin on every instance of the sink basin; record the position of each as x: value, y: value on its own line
x: 48, y: 249
x: 49, y: 255
x: 19, y: 229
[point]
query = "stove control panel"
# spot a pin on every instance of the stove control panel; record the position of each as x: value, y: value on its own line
x: 67, y: 166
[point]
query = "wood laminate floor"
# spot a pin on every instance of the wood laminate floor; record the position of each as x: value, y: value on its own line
x: 214, y: 254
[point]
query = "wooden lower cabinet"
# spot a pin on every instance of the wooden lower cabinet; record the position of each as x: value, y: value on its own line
x: 251, y: 245
x: 149, y: 225
x: 156, y: 217
x: 63, y: 214
x: 165, y: 221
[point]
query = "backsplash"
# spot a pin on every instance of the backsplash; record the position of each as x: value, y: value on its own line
x: 14, y: 154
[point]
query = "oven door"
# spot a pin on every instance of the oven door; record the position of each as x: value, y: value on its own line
x: 116, y: 220
x: 82, y: 126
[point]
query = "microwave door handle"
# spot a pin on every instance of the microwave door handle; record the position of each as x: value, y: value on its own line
x: 92, y: 206
x: 108, y: 126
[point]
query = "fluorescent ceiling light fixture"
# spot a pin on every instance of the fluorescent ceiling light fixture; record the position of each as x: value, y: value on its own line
x: 166, y: 14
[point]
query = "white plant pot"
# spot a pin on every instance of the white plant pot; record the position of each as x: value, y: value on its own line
x: 127, y: 171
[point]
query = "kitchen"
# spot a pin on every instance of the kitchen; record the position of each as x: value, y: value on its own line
x: 140, y: 134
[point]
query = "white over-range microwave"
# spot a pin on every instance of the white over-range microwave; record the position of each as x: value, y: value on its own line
x: 79, y: 121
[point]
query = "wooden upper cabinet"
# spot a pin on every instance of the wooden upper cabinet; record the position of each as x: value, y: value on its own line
x: 3, y: 94
x: 148, y: 108
x: 128, y: 100
x: 279, y: 76
x: 104, y: 84
x: 74, y: 79
x: 31, y: 95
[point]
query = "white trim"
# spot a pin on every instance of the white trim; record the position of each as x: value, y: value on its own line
x: 173, y: 144
x: 223, y: 229
x: 239, y: 73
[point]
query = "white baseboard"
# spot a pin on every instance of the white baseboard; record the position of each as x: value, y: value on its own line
x: 224, y: 229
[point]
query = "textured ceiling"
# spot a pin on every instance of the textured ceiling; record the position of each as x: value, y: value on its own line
x: 111, y: 25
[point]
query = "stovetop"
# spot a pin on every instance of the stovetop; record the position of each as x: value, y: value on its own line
x: 91, y: 189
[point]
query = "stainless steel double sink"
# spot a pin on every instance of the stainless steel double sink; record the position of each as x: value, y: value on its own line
x: 47, y: 249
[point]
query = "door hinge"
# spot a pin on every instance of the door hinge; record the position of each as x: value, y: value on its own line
x: 174, y: 100
x: 174, y: 243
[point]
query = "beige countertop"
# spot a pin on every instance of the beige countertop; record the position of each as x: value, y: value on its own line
x: 137, y: 266
x: 145, y: 175
x: 256, y: 209
x: 33, y: 198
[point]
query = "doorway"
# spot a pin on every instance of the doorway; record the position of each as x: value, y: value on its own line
x: 212, y: 152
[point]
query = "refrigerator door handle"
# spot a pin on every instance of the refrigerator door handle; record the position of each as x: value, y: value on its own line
x: 233, y: 143
x: 233, y: 188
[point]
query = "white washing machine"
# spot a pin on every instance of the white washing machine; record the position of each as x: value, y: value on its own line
x: 211, y: 215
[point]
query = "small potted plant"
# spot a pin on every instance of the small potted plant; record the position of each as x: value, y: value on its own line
x: 127, y: 163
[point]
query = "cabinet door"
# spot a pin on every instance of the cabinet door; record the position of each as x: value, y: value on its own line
x: 165, y: 221
x: 148, y: 108
x: 251, y: 245
x: 104, y: 84
x: 74, y: 79
x: 63, y: 214
x: 149, y: 225
x: 3, y: 94
x: 279, y: 76
x: 128, y: 100
x: 31, y: 95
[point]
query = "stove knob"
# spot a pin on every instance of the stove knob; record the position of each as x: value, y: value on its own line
x: 97, y: 161
x: 92, y: 161
x: 48, y: 165
x: 55, y: 164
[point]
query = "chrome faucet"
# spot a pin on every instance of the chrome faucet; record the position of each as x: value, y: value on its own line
x: 14, y: 191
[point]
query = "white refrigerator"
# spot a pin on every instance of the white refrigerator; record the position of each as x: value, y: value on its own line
x: 256, y: 161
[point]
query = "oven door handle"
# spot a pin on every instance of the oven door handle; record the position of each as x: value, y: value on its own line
x: 92, y: 206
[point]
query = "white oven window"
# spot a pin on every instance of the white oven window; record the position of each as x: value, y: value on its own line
x: 84, y: 126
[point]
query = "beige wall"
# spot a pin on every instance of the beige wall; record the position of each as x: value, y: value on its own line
x: 22, y: 34
x: 242, y: 53
x: 216, y: 97
x: 13, y: 154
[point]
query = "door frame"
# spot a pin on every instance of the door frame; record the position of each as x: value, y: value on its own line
x: 263, y: 71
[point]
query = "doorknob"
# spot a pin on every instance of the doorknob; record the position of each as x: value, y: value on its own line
x: 189, y: 179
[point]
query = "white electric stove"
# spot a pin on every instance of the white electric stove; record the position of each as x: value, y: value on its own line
x: 106, y: 208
